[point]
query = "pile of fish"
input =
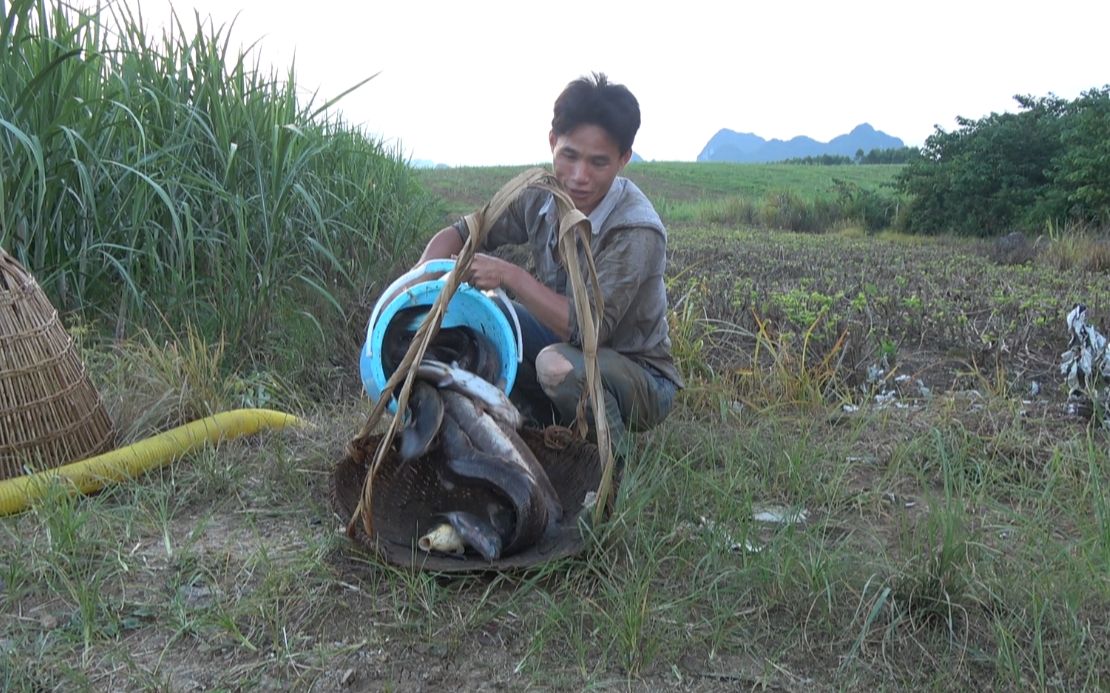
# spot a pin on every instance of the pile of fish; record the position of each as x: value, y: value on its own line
x: 457, y: 405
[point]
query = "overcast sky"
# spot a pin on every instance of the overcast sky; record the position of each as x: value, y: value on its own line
x: 472, y: 83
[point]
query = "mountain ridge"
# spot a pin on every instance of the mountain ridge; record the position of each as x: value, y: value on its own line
x: 747, y: 147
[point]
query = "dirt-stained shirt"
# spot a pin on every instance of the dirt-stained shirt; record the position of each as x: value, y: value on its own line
x: 629, y: 245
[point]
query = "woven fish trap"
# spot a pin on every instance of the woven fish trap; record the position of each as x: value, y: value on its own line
x: 407, y: 497
x: 50, y: 414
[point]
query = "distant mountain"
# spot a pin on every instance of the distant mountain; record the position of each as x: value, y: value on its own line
x: 745, y: 147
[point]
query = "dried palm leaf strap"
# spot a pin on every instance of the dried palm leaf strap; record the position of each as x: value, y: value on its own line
x: 478, y: 225
x: 574, y: 236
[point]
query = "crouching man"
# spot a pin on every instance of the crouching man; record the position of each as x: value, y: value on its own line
x: 592, y: 132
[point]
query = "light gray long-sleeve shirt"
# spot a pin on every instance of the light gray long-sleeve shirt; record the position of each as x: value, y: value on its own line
x: 629, y: 245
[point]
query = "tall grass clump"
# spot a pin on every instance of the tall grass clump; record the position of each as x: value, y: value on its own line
x: 150, y: 182
x: 1075, y: 246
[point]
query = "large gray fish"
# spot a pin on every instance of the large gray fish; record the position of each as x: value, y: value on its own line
x: 493, y: 400
x: 513, y: 482
x: 398, y: 335
x: 502, y: 443
x: 468, y: 349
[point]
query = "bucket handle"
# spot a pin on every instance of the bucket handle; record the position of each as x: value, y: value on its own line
x: 444, y: 265
x: 500, y: 295
x: 438, y: 265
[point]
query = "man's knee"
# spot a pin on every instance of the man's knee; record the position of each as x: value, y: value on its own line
x: 552, y: 368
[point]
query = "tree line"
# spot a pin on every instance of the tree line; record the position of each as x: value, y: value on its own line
x: 895, y: 155
x: 1047, y: 164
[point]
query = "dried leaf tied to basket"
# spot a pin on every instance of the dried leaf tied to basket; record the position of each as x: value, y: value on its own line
x: 573, y: 239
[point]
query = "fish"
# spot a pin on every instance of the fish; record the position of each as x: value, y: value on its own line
x: 547, y: 489
x: 528, y: 519
x: 461, y: 346
x: 454, y: 345
x: 398, y: 336
x: 502, y: 441
x: 481, y: 358
x: 425, y: 417
x: 493, y: 400
x: 476, y: 533
x: 497, y: 461
x: 443, y: 538
x: 468, y: 349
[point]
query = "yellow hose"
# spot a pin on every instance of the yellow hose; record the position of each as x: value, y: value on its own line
x: 91, y: 474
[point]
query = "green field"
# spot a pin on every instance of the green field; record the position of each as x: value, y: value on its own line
x: 898, y: 397
x: 692, y: 194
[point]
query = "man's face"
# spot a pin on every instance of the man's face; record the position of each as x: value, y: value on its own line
x: 586, y: 162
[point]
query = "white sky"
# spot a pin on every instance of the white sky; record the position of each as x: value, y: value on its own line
x: 473, y: 82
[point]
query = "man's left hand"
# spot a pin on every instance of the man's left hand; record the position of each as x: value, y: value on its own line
x: 489, y: 272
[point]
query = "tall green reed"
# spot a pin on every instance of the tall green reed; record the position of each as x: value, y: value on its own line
x: 151, y: 182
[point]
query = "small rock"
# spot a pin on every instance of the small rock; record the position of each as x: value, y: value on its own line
x: 194, y: 596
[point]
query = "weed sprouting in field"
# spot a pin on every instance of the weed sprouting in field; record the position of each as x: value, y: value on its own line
x: 785, y: 372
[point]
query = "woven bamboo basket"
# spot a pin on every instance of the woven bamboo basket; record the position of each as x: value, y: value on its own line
x: 408, y: 495
x: 50, y: 414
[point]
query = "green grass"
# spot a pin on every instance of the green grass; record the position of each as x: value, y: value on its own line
x: 956, y: 537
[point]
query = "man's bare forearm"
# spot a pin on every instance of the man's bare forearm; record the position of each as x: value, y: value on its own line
x: 444, y: 244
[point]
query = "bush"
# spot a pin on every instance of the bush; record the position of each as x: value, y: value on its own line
x: 1048, y: 163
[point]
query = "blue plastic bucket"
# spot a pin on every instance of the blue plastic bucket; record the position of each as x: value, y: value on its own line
x: 468, y: 307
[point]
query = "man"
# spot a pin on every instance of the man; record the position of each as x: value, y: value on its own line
x: 592, y: 132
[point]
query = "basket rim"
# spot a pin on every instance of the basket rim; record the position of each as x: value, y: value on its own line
x: 568, y: 539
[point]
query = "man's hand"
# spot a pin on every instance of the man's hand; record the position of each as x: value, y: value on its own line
x: 489, y: 272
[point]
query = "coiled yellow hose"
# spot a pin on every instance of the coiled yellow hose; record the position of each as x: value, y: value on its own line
x: 88, y: 475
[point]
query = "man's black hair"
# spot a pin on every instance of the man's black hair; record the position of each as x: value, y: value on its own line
x: 596, y: 101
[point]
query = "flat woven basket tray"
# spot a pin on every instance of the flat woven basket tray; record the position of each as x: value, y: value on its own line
x: 408, y: 496
x: 50, y: 414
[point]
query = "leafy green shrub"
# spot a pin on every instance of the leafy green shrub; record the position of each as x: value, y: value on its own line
x: 1082, y: 172
x: 735, y: 212
x: 1049, y: 162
